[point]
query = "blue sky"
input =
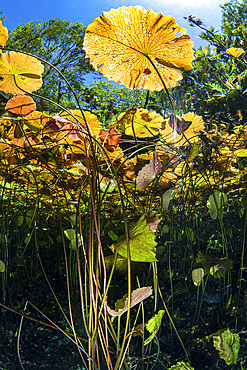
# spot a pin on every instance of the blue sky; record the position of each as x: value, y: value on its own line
x: 19, y: 11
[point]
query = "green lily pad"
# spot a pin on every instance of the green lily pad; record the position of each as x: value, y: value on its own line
x: 141, y: 241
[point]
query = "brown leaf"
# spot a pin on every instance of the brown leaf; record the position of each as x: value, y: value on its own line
x: 137, y: 296
x: 21, y: 104
x: 110, y: 138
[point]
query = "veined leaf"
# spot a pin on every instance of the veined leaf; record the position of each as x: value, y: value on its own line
x: 141, y: 241
x: 125, y: 44
x: 197, y: 276
x: 21, y: 104
x: 137, y: 296
x: 17, y: 73
x: 215, y: 266
x: 148, y: 172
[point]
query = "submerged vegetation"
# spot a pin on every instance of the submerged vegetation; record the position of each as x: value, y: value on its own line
x: 123, y: 226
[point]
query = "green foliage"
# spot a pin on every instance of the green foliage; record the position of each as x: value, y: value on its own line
x: 68, y: 177
x: 137, y: 296
x: 181, y: 366
x: 2, y: 15
x: 218, y: 82
x: 108, y: 99
x: 153, y: 326
x: 228, y: 345
x: 141, y: 243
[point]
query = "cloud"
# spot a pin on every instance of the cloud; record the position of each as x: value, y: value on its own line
x: 164, y: 4
x: 187, y: 3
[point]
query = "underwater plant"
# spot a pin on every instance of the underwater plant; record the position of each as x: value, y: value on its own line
x: 116, y: 212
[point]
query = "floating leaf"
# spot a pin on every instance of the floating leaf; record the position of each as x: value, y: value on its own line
x: 107, y: 185
x: 2, y: 266
x: 19, y: 73
x: 197, y: 276
x: 149, y: 172
x: 193, y: 124
x: 80, y: 118
x: 215, y: 204
x: 140, y: 123
x: 21, y: 104
x: 153, y: 326
x: 124, y: 44
x: 235, y: 52
x: 110, y: 139
x: 36, y: 120
x: 228, y: 345
x: 141, y: 241
x: 136, y: 297
x: 3, y: 34
x: 221, y: 268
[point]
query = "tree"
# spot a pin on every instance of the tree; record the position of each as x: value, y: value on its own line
x: 60, y: 43
x: 217, y: 85
x: 108, y: 100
